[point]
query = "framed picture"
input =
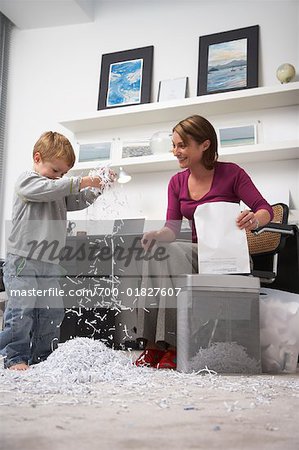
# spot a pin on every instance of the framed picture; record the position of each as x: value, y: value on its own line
x: 100, y: 151
x: 228, y: 61
x: 172, y: 89
x: 136, y: 148
x: 238, y: 135
x: 126, y: 78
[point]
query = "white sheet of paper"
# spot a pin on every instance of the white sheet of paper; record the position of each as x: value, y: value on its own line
x: 222, y: 246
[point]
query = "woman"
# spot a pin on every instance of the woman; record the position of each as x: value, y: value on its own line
x: 204, y: 180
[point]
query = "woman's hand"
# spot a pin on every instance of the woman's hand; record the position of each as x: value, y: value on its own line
x: 149, y: 239
x: 247, y: 220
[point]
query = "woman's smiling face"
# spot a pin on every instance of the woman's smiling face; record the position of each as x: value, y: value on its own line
x: 188, y: 153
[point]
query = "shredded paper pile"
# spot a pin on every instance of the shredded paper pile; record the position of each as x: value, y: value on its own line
x: 225, y: 357
x: 85, y: 371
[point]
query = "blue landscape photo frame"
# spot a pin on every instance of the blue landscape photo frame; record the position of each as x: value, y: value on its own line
x: 99, y: 151
x: 228, y: 61
x: 238, y: 135
x: 126, y: 78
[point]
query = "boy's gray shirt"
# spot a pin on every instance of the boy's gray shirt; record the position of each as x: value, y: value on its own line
x: 40, y: 213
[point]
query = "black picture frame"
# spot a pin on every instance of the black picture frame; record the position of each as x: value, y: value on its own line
x: 237, y: 74
x: 126, y: 78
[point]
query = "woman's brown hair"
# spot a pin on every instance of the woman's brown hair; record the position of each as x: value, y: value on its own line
x: 200, y: 129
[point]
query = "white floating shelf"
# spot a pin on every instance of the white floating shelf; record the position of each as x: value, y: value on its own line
x: 175, y: 110
x: 163, y: 162
x: 277, y: 151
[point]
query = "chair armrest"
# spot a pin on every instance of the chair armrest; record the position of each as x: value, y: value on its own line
x: 277, y: 228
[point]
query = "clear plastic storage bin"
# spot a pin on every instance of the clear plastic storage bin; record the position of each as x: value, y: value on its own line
x: 279, y: 318
x: 218, y: 324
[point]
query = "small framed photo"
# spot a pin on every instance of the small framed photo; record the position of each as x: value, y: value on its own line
x: 100, y: 151
x: 173, y: 89
x: 136, y: 148
x: 228, y: 61
x: 238, y: 135
x: 126, y: 78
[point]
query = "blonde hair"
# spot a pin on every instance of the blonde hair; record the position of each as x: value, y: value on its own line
x: 200, y: 129
x: 54, y: 145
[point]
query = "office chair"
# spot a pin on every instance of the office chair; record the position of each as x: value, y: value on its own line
x: 266, y: 243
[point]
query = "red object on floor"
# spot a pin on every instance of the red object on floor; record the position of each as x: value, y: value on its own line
x: 168, y: 361
x: 149, y: 358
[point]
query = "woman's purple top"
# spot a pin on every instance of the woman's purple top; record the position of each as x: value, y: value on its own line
x: 230, y: 184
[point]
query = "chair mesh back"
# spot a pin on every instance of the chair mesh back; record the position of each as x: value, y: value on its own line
x: 268, y: 242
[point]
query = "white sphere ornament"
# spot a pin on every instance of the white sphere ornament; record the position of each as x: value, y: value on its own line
x: 285, y: 73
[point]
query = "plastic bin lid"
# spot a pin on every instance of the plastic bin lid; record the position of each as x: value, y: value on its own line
x: 218, y: 282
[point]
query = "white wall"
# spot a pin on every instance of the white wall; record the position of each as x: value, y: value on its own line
x: 54, y: 75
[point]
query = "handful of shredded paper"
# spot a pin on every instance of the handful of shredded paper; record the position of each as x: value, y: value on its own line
x: 107, y: 176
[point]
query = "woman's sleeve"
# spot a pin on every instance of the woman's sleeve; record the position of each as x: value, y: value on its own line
x: 173, y: 215
x: 250, y: 195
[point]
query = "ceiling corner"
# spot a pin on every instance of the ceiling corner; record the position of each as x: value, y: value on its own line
x: 28, y: 14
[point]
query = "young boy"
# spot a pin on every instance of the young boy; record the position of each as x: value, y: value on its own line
x: 43, y: 196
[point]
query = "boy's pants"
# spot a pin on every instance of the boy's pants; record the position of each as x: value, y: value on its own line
x: 34, y: 310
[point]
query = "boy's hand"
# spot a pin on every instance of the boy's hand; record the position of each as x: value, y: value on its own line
x: 111, y: 175
x: 99, y: 179
x: 94, y: 181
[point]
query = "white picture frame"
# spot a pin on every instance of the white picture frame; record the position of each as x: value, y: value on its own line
x: 135, y: 148
x: 173, y: 89
x: 238, y: 135
x: 95, y: 152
